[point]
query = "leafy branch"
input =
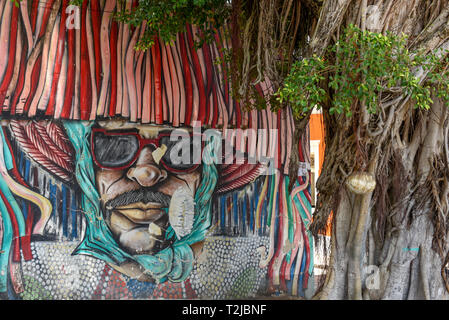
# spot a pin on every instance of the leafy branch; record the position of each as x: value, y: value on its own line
x: 365, y: 65
x: 166, y: 18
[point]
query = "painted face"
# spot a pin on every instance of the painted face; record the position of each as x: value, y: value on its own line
x: 139, y: 185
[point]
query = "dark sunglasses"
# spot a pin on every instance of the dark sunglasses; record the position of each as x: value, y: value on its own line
x: 118, y: 150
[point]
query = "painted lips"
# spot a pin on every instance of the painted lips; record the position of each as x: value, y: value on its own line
x: 141, y: 213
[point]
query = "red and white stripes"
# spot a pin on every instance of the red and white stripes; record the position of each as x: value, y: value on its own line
x: 49, y: 69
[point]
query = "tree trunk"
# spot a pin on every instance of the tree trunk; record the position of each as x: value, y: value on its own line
x: 390, y: 243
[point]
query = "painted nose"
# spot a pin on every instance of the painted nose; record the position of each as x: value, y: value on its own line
x: 146, y: 171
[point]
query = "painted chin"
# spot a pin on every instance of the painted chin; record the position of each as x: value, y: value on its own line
x: 141, y: 241
x: 140, y: 229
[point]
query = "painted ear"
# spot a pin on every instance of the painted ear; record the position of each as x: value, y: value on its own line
x: 181, y: 212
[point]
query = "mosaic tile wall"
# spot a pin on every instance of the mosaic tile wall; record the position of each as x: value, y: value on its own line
x: 225, y: 270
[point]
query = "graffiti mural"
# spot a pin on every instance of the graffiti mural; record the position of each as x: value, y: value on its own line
x: 135, y: 174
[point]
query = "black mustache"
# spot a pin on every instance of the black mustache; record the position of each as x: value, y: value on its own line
x: 141, y: 195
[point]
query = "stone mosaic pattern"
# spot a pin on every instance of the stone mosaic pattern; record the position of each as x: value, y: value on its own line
x: 55, y: 274
x: 227, y: 269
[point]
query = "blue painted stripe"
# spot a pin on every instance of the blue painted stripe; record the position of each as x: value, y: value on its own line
x: 20, y: 169
x: 251, y: 212
x: 26, y: 176
x: 228, y: 217
x: 223, y: 211
x: 64, y: 212
x: 276, y: 222
x: 11, y: 294
x: 292, y: 274
x: 311, y: 245
x: 53, y: 199
x: 301, y: 273
x: 235, y: 208
x: 264, y: 215
x: 21, y: 163
x: 73, y: 211
x: 256, y: 198
x: 24, y: 209
x: 244, y: 212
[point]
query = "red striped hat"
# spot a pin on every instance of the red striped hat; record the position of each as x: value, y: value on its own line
x: 48, y: 70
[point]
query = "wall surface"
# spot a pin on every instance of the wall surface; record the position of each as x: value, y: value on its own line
x: 95, y: 205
